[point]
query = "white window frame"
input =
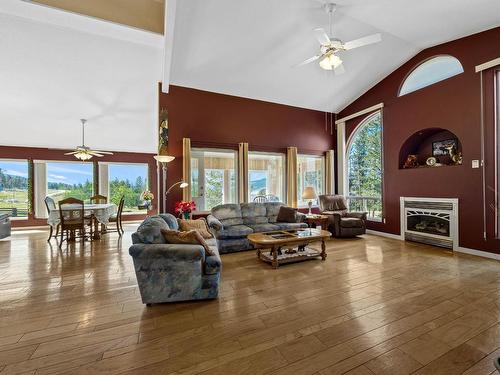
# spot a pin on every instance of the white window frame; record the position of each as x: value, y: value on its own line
x: 301, y: 204
x: 348, y: 145
x: 223, y: 150
x: 283, y: 172
x: 403, y: 90
x: 103, y: 175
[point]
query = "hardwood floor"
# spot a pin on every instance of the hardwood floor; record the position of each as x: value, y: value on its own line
x: 375, y: 306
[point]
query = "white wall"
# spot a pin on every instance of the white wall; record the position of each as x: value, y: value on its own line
x: 58, y: 67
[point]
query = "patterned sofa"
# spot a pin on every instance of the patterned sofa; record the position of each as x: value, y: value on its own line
x: 172, y: 272
x: 232, y: 223
x: 4, y: 225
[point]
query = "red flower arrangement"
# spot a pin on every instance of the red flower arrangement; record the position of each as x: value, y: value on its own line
x: 183, y: 207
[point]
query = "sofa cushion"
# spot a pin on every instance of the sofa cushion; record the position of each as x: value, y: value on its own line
x: 257, y: 228
x: 234, y: 231
x: 228, y: 214
x: 149, y: 232
x: 272, y: 209
x: 199, y: 224
x: 351, y: 222
x: 254, y: 213
x: 231, y: 245
x: 192, y: 237
x: 170, y: 220
x: 287, y: 215
x: 291, y: 226
x: 332, y: 202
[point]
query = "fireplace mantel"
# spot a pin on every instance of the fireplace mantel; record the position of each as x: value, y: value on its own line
x: 432, y: 221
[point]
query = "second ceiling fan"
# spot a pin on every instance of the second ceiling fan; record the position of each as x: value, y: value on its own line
x: 330, y: 46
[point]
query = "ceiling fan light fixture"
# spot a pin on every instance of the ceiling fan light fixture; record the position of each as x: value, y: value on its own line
x: 83, y: 152
x: 330, y: 61
x: 83, y: 156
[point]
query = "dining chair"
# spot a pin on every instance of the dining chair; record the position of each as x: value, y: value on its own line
x: 73, y: 219
x: 117, y: 218
x: 50, y: 204
x: 98, y: 199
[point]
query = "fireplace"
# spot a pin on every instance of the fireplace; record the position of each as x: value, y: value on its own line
x: 433, y: 221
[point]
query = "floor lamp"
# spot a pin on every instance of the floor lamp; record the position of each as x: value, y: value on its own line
x: 163, y: 160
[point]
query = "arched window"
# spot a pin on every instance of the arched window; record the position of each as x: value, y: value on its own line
x: 429, y: 72
x: 364, y: 167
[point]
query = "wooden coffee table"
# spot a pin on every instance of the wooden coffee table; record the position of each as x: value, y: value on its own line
x: 288, y: 246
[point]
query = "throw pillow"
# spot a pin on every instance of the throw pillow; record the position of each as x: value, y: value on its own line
x: 199, y: 224
x: 287, y: 215
x: 191, y: 237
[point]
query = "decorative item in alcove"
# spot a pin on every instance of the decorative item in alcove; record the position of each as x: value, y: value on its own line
x: 431, y: 161
x: 456, y: 156
x: 441, y: 148
x: 163, y: 132
x: 411, y: 162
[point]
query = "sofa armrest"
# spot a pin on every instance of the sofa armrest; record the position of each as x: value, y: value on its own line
x: 179, y: 252
x: 213, y: 264
x: 300, y: 217
x: 357, y: 215
x: 214, y: 223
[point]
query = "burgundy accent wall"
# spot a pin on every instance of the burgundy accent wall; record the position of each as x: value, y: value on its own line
x: 34, y: 153
x: 452, y: 104
x: 223, y: 121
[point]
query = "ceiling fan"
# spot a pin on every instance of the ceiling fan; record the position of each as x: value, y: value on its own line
x: 83, y: 152
x: 330, y: 46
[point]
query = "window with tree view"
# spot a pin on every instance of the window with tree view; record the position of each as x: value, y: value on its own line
x: 66, y: 180
x: 266, y: 176
x: 128, y: 181
x: 311, y: 172
x: 364, y: 167
x: 213, y: 178
x: 14, y: 188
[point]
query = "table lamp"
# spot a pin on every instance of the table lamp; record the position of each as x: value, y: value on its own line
x: 309, y: 194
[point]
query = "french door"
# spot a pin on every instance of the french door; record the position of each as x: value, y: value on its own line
x: 213, y: 177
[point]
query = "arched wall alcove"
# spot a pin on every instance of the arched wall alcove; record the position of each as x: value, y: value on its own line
x: 422, y: 143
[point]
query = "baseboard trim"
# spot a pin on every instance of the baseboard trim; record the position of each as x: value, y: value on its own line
x: 459, y: 249
x: 383, y: 234
x: 479, y: 253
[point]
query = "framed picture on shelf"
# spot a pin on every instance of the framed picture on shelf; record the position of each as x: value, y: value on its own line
x: 441, y: 148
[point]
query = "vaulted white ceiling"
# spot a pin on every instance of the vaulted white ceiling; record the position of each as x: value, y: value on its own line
x: 249, y: 48
x: 57, y: 67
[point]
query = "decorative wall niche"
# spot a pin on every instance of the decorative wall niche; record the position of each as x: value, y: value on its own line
x: 427, y: 143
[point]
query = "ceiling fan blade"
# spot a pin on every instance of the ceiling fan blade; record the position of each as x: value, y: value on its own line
x: 104, y: 152
x: 322, y: 36
x: 339, y: 69
x: 72, y: 153
x: 309, y: 60
x: 93, y: 153
x: 370, y: 39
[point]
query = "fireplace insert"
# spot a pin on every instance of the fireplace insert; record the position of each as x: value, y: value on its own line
x: 429, y: 224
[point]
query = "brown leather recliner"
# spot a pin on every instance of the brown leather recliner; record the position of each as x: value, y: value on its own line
x: 341, y: 222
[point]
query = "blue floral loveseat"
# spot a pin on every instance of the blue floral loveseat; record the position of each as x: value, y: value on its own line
x: 172, y: 272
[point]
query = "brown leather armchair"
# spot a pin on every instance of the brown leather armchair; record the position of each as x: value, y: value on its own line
x: 341, y: 222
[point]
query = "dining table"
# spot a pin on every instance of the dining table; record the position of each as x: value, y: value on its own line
x: 100, y: 213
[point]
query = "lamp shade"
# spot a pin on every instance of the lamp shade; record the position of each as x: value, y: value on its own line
x: 309, y: 193
x: 164, y: 158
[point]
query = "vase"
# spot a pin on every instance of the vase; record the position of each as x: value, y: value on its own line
x: 186, y: 215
